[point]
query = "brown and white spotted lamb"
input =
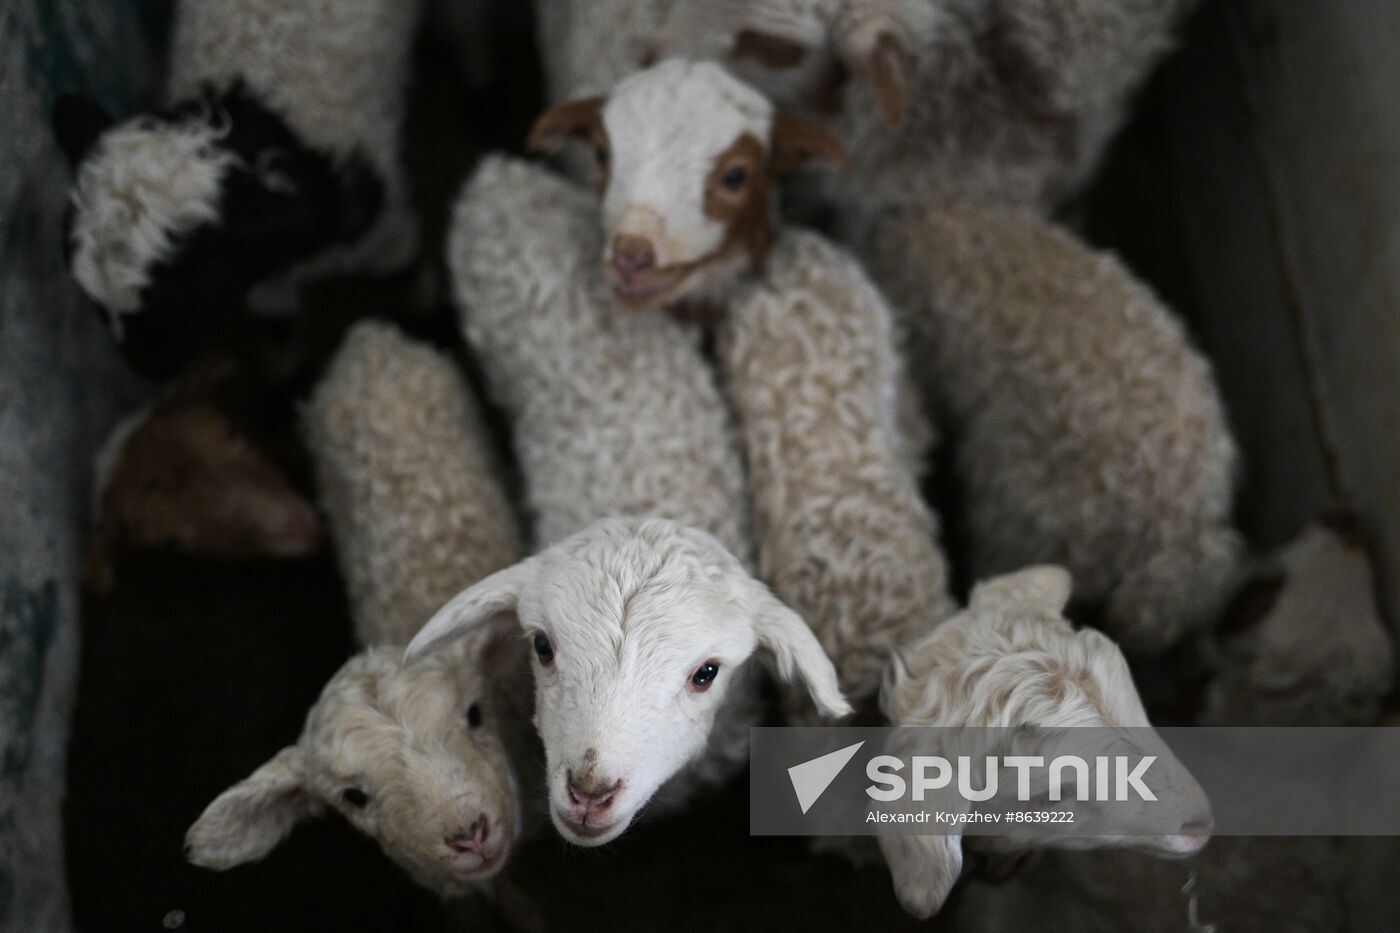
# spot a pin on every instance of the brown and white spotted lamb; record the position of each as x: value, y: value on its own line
x: 805, y: 342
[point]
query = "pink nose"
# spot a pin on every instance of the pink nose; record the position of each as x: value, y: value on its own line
x: 632, y: 254
x: 473, y: 840
x: 591, y: 796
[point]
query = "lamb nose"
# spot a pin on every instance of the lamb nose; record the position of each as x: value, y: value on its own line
x: 633, y: 254
x: 592, y: 794
x: 471, y: 841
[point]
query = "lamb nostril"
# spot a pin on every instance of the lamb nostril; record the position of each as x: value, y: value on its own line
x: 591, y: 796
x: 460, y: 842
x: 633, y: 254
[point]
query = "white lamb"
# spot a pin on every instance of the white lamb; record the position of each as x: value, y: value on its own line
x: 1087, y: 430
x: 423, y: 759
x: 805, y: 345
x: 844, y: 537
x: 614, y: 414
x: 642, y: 628
x: 1011, y: 659
x: 278, y: 158
x: 1312, y: 651
x: 1005, y: 101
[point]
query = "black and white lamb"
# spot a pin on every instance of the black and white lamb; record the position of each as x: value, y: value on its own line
x: 275, y: 159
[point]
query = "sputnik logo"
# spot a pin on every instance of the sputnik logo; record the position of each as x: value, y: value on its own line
x: 811, y: 778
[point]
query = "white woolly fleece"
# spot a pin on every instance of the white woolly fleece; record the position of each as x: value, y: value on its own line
x: 1011, y: 659
x: 613, y: 414
x: 1090, y: 432
x: 142, y: 187
x: 808, y: 355
x: 408, y: 481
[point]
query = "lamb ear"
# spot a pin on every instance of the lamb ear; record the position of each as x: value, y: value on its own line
x: 582, y: 118
x: 923, y: 869
x: 885, y: 70
x: 797, y: 141
x: 78, y: 122
x: 796, y: 652
x: 248, y: 820
x: 498, y: 593
x: 1044, y: 587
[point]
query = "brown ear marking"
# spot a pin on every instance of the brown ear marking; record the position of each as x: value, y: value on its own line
x: 886, y: 72
x: 582, y: 118
x: 797, y: 140
x: 769, y: 51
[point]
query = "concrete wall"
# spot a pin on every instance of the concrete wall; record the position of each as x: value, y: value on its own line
x: 1285, y: 137
x: 61, y: 387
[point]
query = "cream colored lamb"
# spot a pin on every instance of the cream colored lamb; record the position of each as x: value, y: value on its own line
x: 1312, y: 652
x: 432, y: 761
x: 808, y: 356
x: 1011, y: 659
x: 1088, y: 431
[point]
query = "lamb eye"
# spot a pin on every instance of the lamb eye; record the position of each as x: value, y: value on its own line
x: 355, y: 797
x: 704, y: 675
x: 601, y: 154
x: 543, y: 649
x: 735, y: 178
x: 474, y: 715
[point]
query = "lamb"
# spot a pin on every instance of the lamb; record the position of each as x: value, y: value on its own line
x: 686, y: 202
x: 993, y: 101
x: 588, y: 46
x: 687, y: 221
x: 809, y: 360
x: 614, y: 416
x: 433, y: 761
x: 1001, y: 101
x: 611, y: 414
x: 192, y: 472
x: 1087, y: 430
x: 1304, y: 643
x: 641, y: 629
x: 1306, y: 648
x: 276, y: 159
x: 408, y: 479
x: 1011, y: 659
